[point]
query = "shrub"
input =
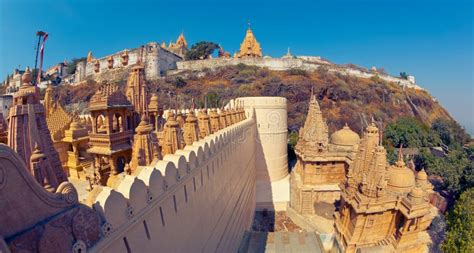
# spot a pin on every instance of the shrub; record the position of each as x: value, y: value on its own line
x: 297, y: 72
x: 179, y: 82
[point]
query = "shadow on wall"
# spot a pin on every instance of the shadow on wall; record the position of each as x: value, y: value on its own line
x: 264, y: 216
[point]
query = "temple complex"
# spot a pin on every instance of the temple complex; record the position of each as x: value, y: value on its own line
x: 145, y: 146
x: 77, y: 140
x: 321, y: 164
x: 180, y: 47
x: 28, y: 134
x: 136, y: 92
x: 155, y: 114
x: 383, y: 207
x: 249, y: 48
x: 111, y: 142
x: 58, y: 121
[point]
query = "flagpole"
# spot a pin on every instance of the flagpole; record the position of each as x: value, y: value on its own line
x: 40, y: 35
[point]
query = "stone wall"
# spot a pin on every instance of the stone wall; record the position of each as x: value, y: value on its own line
x: 6, y: 102
x: 279, y: 64
x: 156, y: 59
x: 201, y: 199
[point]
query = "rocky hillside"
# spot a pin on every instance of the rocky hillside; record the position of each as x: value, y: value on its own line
x: 342, y: 98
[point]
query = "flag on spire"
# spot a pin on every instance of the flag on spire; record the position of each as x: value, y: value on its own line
x: 38, y: 80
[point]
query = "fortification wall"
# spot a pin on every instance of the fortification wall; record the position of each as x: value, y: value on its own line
x: 200, y: 199
x: 280, y: 64
x: 156, y: 59
x: 272, y: 138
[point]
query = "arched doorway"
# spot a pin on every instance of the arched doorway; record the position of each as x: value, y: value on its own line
x: 121, y: 164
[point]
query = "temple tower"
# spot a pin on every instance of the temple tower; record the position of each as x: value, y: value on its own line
x: 204, y: 124
x: 155, y: 113
x: 171, y: 136
x: 28, y: 128
x: 222, y: 118
x: 136, y: 92
x: 382, y: 205
x: 111, y: 143
x: 191, y: 129
x: 214, y: 121
x: 250, y: 48
x: 321, y: 164
x: 145, y: 146
x: 180, y: 47
x: 77, y: 139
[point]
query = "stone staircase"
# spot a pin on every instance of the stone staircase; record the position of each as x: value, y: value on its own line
x: 276, y: 242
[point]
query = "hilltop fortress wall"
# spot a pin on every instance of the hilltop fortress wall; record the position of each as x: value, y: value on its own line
x: 157, y: 61
x: 281, y: 64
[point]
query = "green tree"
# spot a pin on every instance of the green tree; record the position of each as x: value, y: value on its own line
x: 460, y: 220
x: 409, y: 132
x: 456, y: 169
x: 213, y: 99
x: 201, y: 50
x: 404, y: 75
x: 450, y: 132
x: 179, y: 82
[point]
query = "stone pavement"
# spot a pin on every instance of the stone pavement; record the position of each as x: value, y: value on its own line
x: 276, y: 242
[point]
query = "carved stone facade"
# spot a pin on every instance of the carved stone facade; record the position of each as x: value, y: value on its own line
x: 77, y: 140
x: 136, y: 92
x: 145, y: 146
x: 249, y: 48
x: 321, y: 164
x: 111, y: 142
x: 180, y: 47
x: 381, y: 205
x: 28, y: 130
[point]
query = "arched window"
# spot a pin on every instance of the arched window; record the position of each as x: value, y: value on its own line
x: 117, y: 123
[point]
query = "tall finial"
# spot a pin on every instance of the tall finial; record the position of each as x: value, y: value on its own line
x: 248, y: 24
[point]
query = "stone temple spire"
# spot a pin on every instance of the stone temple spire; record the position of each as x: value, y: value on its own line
x: 28, y: 128
x: 171, y: 136
x: 314, y: 135
x: 191, y: 129
x: 250, y: 46
x: 204, y: 124
x: 214, y: 120
x: 136, y: 90
x: 145, y: 145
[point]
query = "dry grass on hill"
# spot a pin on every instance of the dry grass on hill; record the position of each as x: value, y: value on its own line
x: 342, y: 98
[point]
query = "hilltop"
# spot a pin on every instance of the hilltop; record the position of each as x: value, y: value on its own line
x: 343, y: 98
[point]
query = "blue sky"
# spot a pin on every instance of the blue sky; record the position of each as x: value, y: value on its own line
x: 432, y: 40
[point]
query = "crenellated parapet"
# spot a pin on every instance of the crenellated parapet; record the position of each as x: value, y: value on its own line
x: 169, y: 195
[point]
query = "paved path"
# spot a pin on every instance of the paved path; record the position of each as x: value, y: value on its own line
x: 279, y: 242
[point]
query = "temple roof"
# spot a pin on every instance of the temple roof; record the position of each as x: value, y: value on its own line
x: 314, y: 134
x: 108, y: 96
x: 181, y: 41
x: 345, y: 137
x: 250, y: 46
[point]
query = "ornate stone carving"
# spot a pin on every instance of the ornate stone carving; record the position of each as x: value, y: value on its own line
x: 106, y: 229
x: 68, y: 192
x: 79, y: 247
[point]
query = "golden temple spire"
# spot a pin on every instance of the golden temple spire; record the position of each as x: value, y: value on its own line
x: 90, y: 57
x: 249, y: 48
x: 171, y: 138
x: 191, y: 128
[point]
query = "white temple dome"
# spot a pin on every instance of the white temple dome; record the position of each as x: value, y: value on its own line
x: 345, y: 137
